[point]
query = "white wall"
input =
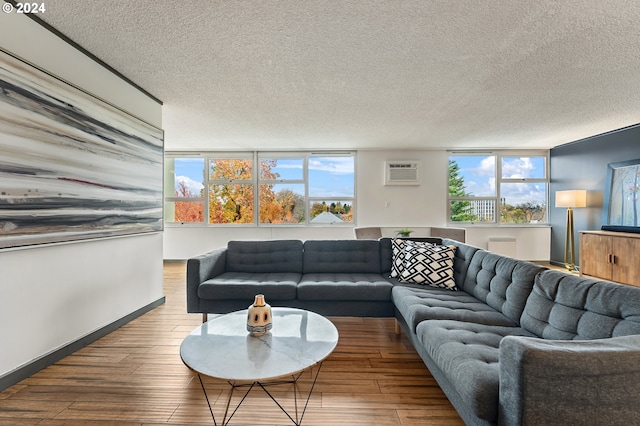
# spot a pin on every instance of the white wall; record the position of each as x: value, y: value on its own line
x: 53, y: 295
x: 532, y: 242
x: 391, y: 207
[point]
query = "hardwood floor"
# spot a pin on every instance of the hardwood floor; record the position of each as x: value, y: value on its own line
x: 134, y: 376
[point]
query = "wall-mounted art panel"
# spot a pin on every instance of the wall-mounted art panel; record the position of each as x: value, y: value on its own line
x: 622, y: 196
x: 72, y: 167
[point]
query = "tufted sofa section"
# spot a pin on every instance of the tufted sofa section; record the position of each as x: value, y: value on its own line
x: 567, y: 307
x: 568, y: 326
x: 494, y: 292
x: 236, y: 274
x: 344, y: 271
x: 516, y: 344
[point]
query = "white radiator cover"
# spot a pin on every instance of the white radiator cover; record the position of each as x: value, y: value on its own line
x: 506, y: 246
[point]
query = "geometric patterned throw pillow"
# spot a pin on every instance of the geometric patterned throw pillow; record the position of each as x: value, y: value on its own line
x: 431, y: 265
x: 397, y: 257
x: 399, y: 254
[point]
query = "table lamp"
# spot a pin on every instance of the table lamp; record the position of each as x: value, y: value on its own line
x: 570, y: 199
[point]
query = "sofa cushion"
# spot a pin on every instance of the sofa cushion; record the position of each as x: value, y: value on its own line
x: 501, y: 282
x: 341, y: 256
x: 567, y: 307
x: 418, y: 303
x: 344, y: 286
x: 429, y: 264
x: 264, y: 256
x: 467, y: 354
x: 245, y: 285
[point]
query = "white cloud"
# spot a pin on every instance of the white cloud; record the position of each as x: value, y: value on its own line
x: 518, y: 168
x: 480, y: 181
x: 487, y: 167
x: 341, y: 165
x: 518, y: 193
x: 194, y: 187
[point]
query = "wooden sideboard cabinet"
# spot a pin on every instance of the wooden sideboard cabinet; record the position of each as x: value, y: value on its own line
x: 613, y: 256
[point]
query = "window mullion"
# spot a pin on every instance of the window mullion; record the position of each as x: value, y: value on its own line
x: 498, y: 181
x: 307, y: 210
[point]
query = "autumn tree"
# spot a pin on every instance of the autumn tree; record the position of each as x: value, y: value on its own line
x: 291, y: 205
x: 317, y: 208
x: 187, y: 211
x: 230, y: 202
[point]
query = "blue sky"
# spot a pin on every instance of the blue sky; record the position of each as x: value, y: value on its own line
x: 190, y: 171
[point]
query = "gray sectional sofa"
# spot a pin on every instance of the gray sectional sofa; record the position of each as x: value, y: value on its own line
x: 517, y: 344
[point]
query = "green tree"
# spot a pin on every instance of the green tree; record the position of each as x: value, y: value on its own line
x: 528, y: 212
x: 461, y: 211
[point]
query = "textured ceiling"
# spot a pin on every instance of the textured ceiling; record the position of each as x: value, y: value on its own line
x: 296, y: 74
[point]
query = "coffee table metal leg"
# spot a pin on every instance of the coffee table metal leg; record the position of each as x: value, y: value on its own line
x: 298, y: 419
x: 294, y: 380
x: 233, y: 386
x: 207, y: 398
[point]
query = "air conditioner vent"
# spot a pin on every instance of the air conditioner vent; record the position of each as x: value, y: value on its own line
x: 402, y: 173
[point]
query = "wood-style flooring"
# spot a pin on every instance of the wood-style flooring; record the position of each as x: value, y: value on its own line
x: 134, y: 376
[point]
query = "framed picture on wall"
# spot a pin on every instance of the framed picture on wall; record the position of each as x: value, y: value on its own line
x: 72, y: 166
x: 621, y: 196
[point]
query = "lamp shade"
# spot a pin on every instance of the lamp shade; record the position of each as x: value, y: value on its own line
x: 571, y: 198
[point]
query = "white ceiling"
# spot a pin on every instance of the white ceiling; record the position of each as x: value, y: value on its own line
x: 296, y: 74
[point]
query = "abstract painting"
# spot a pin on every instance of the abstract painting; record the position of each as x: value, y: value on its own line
x: 72, y: 166
x: 622, y: 194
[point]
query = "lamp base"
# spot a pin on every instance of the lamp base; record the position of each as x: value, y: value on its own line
x: 569, y: 244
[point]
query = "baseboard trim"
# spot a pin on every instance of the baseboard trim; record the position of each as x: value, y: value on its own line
x: 38, y: 364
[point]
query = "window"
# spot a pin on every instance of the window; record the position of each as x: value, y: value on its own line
x: 292, y: 188
x: 184, y: 193
x: 282, y: 189
x: 231, y: 190
x: 331, y: 188
x: 504, y: 188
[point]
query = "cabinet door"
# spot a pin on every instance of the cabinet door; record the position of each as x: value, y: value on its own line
x: 626, y: 267
x: 595, y: 254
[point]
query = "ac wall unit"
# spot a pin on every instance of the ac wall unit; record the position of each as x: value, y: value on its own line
x: 401, y: 173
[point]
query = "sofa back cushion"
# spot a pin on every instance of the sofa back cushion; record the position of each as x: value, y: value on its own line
x: 341, y: 256
x: 462, y: 259
x: 501, y: 282
x: 264, y: 256
x: 569, y: 307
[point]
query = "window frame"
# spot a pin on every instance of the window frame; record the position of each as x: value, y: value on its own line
x: 499, y: 180
x: 173, y: 199
x: 256, y: 181
x: 284, y: 155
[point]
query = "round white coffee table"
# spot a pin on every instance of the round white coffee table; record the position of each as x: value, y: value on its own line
x: 222, y: 348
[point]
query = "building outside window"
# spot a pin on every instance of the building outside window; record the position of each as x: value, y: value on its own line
x: 498, y: 188
x: 260, y: 188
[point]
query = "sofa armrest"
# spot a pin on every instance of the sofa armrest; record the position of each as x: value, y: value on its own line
x: 546, y: 382
x: 200, y: 269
